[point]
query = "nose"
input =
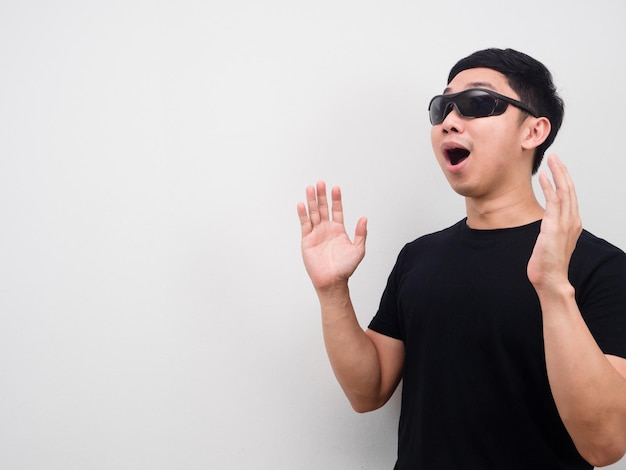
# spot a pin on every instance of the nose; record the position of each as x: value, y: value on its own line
x: 453, y: 122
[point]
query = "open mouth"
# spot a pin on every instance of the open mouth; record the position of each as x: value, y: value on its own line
x: 456, y: 155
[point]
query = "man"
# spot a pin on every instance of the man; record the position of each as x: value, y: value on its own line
x: 508, y: 329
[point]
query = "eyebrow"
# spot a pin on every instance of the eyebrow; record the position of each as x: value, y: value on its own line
x: 473, y: 85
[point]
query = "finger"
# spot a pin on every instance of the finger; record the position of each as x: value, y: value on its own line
x: 337, y: 207
x: 322, y: 201
x: 360, y: 233
x: 311, y: 200
x: 552, y: 201
x: 572, y: 192
x: 562, y: 184
x: 305, y: 222
x: 548, y: 190
x: 570, y: 212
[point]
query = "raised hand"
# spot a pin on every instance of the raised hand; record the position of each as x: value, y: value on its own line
x: 561, y: 226
x: 330, y: 257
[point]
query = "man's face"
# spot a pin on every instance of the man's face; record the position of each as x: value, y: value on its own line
x: 482, y: 157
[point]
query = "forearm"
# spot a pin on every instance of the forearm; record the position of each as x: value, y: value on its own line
x: 352, y: 354
x: 589, y: 393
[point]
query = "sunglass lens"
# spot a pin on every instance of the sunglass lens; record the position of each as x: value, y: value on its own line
x: 475, y: 104
x: 437, y: 110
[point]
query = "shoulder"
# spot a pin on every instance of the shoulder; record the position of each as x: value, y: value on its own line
x: 594, y: 257
x: 592, y: 248
x: 588, y: 239
x: 437, y: 238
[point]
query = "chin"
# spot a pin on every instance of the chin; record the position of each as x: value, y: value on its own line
x: 468, y: 191
x: 465, y: 190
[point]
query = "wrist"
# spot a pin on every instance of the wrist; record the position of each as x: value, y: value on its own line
x: 336, y: 305
x: 552, y: 285
x: 555, y: 288
x: 556, y: 297
x: 335, y: 291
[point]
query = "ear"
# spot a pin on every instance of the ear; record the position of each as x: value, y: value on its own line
x: 535, y: 132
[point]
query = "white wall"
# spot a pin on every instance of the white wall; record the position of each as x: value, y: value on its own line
x: 154, y: 312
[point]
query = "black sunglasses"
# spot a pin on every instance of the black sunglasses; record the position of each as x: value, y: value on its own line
x: 472, y: 103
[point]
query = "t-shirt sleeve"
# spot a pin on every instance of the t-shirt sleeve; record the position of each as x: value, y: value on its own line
x: 602, y: 302
x: 387, y: 318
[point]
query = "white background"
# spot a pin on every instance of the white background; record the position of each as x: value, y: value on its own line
x: 154, y: 311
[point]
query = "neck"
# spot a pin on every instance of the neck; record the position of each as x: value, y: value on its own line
x: 515, y: 208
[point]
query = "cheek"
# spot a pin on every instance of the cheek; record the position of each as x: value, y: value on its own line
x: 496, y: 141
x: 435, y: 139
x: 433, y: 136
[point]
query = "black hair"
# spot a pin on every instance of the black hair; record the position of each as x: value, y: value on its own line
x: 529, y: 78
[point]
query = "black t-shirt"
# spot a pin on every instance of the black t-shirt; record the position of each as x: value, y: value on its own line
x: 475, y: 391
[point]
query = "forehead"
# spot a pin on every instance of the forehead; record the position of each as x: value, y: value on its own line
x: 480, y: 78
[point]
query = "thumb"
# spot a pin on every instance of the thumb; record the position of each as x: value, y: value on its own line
x: 360, y: 233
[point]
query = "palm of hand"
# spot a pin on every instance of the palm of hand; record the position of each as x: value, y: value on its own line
x: 329, y: 254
